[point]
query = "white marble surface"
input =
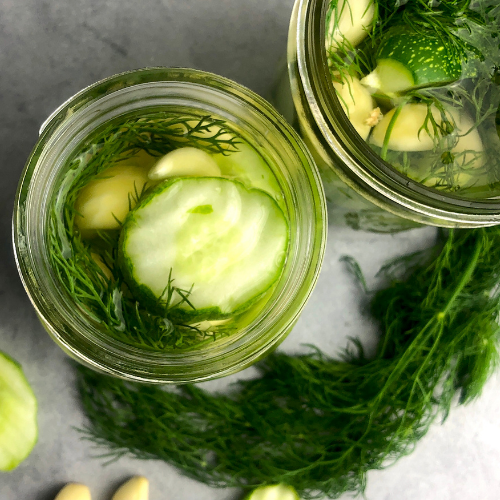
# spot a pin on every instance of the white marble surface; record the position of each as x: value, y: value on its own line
x: 49, y: 49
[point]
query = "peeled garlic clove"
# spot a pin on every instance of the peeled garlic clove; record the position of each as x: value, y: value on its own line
x: 136, y: 488
x: 357, y: 103
x: 184, y: 162
x: 350, y: 22
x: 107, y: 199
x: 407, y: 133
x: 74, y: 491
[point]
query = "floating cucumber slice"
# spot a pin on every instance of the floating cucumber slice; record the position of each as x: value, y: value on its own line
x: 18, y: 409
x: 226, y: 242
x: 273, y: 492
x: 389, y: 77
x: 407, y: 59
x: 248, y: 167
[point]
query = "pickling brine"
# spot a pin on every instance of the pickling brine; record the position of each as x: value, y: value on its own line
x: 168, y: 229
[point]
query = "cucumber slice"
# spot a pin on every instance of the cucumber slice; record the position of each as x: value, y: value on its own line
x: 389, y: 77
x: 226, y: 242
x: 18, y: 409
x: 408, y: 59
x: 273, y: 492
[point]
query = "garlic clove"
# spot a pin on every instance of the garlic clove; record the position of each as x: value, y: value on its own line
x: 407, y: 133
x: 107, y: 199
x: 349, y: 23
x: 136, y: 488
x: 357, y: 103
x: 74, y: 491
x: 187, y: 161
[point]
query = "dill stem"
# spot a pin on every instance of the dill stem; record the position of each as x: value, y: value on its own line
x: 388, y: 132
x: 418, y: 343
x: 466, y: 277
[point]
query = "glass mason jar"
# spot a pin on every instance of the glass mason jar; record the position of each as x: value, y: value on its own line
x: 200, y: 93
x: 362, y: 190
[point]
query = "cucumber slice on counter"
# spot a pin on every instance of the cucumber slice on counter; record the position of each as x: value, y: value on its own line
x: 273, y: 492
x: 224, y: 242
x: 18, y: 409
x: 408, y: 59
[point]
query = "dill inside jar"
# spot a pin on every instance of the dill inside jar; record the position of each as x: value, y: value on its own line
x: 418, y: 81
x: 168, y: 229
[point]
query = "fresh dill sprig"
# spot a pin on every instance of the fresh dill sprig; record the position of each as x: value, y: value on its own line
x: 87, y: 268
x: 319, y: 423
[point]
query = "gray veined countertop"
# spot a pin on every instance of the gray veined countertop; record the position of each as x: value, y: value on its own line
x: 49, y: 49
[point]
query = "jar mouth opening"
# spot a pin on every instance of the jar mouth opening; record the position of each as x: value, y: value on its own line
x: 362, y: 165
x: 202, y: 92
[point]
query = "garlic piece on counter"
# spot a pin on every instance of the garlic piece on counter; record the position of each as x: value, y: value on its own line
x: 184, y: 162
x: 74, y: 491
x: 136, y: 488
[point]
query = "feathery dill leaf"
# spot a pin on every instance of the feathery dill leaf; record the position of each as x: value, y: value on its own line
x: 319, y: 423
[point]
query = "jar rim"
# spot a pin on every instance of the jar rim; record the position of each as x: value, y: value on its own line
x: 208, y: 90
x: 361, y: 165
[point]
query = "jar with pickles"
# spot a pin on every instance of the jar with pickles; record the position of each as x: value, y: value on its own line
x: 169, y: 226
x: 398, y: 102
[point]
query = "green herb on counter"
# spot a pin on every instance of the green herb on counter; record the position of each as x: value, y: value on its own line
x: 316, y: 423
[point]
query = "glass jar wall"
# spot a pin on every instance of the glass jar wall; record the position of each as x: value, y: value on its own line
x: 67, y: 146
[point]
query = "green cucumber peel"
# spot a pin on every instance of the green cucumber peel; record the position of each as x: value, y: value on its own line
x: 407, y: 59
